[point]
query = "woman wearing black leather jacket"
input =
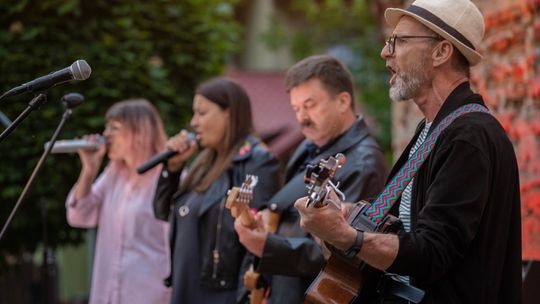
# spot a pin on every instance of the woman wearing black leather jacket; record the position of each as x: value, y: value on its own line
x: 205, y: 251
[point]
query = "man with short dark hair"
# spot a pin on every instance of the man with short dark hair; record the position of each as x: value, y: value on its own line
x: 322, y: 96
x: 456, y: 185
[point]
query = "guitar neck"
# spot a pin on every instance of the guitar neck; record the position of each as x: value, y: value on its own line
x: 240, y: 210
x: 319, y: 179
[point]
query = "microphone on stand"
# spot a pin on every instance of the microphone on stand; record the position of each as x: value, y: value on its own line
x: 163, y: 156
x: 72, y: 145
x: 79, y: 70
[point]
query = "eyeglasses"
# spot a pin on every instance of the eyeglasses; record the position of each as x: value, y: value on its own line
x: 113, y: 127
x: 391, y: 41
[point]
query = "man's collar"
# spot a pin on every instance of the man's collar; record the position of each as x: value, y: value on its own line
x: 356, y: 133
x: 460, y: 96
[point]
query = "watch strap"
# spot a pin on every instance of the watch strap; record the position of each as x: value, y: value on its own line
x: 355, y: 248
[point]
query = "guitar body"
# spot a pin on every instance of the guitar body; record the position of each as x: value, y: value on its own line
x: 344, y: 280
x: 252, y: 282
x: 338, y: 282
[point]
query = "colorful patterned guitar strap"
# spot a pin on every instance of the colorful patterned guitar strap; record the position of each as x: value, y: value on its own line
x: 399, y: 182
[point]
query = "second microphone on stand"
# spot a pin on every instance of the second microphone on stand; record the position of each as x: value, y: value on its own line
x: 163, y: 156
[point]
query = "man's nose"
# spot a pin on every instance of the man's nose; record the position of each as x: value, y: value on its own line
x: 301, y: 115
x: 385, y: 52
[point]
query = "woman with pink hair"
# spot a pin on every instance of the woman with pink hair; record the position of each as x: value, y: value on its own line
x: 132, y: 250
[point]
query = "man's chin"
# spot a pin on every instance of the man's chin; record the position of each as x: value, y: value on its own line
x: 318, y: 141
x: 308, y: 132
x: 311, y: 136
x: 395, y: 96
x: 399, y: 93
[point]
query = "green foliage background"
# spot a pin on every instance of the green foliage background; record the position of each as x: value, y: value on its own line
x: 155, y: 49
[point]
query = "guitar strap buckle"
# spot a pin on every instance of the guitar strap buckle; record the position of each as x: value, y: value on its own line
x: 362, y: 222
x: 358, y: 220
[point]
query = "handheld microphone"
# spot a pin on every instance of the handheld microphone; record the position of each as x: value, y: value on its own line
x: 72, y: 145
x: 163, y: 156
x: 79, y: 70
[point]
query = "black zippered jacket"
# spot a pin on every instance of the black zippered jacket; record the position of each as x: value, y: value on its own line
x: 257, y: 161
x: 291, y: 257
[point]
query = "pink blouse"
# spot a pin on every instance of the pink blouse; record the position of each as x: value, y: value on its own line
x: 132, y: 251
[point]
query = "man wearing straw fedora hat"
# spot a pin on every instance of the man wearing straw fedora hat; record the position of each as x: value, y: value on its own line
x: 456, y: 185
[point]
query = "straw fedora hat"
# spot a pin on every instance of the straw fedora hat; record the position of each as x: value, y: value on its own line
x: 458, y: 21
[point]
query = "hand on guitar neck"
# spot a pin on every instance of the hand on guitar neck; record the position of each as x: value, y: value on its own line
x: 352, y: 270
x: 326, y: 197
x: 325, y: 221
x: 249, y: 226
x: 238, y: 200
x: 319, y: 183
x: 251, y: 233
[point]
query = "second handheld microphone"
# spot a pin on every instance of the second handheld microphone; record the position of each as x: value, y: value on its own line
x: 73, y: 145
x: 163, y: 156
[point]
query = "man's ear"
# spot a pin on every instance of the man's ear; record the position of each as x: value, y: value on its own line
x: 442, y: 53
x: 344, y: 99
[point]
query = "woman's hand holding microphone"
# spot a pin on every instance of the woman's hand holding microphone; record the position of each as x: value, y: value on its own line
x: 185, y: 144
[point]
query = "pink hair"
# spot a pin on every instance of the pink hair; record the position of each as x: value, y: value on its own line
x: 145, y: 126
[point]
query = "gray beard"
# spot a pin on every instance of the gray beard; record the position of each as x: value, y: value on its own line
x: 404, y: 89
x: 408, y: 83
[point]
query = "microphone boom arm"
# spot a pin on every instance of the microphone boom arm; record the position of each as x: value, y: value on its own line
x: 35, y: 103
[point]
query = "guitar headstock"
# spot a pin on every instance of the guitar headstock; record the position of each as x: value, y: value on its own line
x: 319, y: 178
x: 238, y: 198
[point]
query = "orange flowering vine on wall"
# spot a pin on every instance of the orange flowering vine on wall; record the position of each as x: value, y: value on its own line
x: 509, y: 80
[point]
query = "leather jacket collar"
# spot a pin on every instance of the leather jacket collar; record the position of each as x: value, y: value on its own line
x: 356, y: 133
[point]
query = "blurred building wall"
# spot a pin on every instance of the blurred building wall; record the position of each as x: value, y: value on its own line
x: 258, y: 17
x: 509, y: 80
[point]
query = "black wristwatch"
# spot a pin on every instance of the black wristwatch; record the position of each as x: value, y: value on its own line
x: 355, y: 248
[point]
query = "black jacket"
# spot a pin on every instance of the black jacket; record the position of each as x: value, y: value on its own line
x: 258, y: 161
x: 465, y: 241
x: 291, y: 256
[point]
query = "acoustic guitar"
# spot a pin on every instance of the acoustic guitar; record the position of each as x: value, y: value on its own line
x: 342, y: 280
x: 238, y: 200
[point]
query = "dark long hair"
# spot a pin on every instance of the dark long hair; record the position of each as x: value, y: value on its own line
x: 211, y: 163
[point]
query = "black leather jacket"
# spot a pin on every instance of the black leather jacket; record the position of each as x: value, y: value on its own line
x: 291, y: 258
x: 223, y: 276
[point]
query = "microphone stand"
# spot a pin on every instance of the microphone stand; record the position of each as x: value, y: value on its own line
x: 4, y: 119
x: 49, y: 268
x: 38, y: 167
x: 35, y: 103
